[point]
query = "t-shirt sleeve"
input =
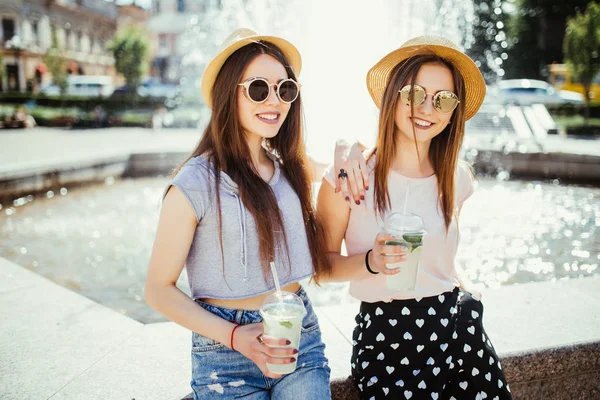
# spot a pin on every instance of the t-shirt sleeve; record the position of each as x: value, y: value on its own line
x: 465, y: 183
x: 329, y: 176
x: 193, y: 183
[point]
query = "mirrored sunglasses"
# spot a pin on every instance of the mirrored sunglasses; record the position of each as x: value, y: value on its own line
x: 444, y: 101
x: 258, y: 90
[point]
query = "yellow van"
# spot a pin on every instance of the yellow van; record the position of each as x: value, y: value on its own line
x: 561, y: 78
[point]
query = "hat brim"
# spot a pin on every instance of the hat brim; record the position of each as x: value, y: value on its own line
x: 379, y: 75
x: 214, y: 66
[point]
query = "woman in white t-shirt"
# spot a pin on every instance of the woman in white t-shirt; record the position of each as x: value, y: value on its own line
x: 426, y: 343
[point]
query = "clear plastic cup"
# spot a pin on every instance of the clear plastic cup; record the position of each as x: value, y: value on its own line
x: 282, y: 314
x: 408, y: 231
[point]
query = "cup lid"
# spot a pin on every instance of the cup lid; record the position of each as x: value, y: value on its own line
x: 283, y: 297
x: 399, y: 222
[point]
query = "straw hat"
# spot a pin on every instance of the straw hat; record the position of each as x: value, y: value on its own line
x: 236, y: 40
x: 378, y: 76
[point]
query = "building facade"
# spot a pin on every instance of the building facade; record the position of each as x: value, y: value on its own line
x: 168, y: 21
x: 82, y: 29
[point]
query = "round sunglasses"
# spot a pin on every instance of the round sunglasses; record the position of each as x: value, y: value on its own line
x: 444, y: 101
x: 258, y: 90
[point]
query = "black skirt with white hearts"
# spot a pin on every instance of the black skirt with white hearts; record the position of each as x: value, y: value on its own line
x: 432, y: 348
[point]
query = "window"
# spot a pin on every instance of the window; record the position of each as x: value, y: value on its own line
x: 162, y: 40
x: 35, y: 32
x: 181, y: 6
x: 8, y: 28
x: 157, y: 7
x: 78, y: 37
x: 91, y: 44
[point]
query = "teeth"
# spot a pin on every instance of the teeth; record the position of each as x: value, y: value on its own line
x: 422, y: 123
x: 268, y: 116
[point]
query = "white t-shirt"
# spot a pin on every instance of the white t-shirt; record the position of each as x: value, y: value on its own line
x: 437, y: 273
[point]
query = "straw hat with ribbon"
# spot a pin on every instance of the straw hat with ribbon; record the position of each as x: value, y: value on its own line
x: 236, y: 40
x: 379, y: 75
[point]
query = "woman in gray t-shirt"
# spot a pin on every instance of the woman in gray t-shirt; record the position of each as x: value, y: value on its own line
x: 240, y: 201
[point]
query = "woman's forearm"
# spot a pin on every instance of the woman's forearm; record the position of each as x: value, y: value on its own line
x: 347, y: 268
x: 181, y: 309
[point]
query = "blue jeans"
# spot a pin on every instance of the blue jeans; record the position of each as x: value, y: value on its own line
x: 221, y: 373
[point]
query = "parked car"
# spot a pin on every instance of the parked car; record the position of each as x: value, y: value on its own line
x: 151, y: 88
x: 83, y: 85
x: 532, y: 91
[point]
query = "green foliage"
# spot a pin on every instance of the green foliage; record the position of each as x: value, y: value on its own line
x: 582, y: 46
x: 536, y: 32
x: 130, y: 50
x: 57, y: 64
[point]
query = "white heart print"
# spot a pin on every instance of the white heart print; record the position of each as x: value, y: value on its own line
x: 400, y: 383
x: 420, y: 347
x: 404, y: 361
x: 367, y: 317
x: 394, y: 345
x: 407, y: 394
x: 386, y: 391
x: 365, y: 364
x: 434, y: 396
x: 444, y: 346
x: 441, y: 298
x: 488, y: 376
x: 389, y: 369
x: 467, y: 348
x: 422, y: 385
x: 380, y: 337
x: 420, y: 322
x: 430, y: 361
x: 407, y: 336
x: 381, y: 356
x: 471, y: 330
x: 405, y: 311
x: 474, y: 314
x: 433, y: 337
x: 378, y: 311
x: 475, y: 372
x: 444, y: 321
x: 393, y: 322
x: 436, y: 371
x: 431, y: 311
x: 463, y: 385
x: 480, y: 353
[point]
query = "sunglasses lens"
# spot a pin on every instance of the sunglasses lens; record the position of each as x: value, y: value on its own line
x: 417, y: 95
x: 258, y: 91
x: 445, y: 101
x: 288, y: 91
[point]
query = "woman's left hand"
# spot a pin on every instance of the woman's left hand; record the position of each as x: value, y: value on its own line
x: 354, y: 180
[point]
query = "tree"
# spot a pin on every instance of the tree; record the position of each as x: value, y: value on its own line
x: 130, y: 50
x: 536, y: 34
x: 2, y: 70
x: 57, y: 64
x: 582, y: 48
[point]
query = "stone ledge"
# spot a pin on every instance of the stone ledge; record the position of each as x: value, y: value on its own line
x: 570, y: 372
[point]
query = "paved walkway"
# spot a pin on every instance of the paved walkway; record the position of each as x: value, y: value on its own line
x: 39, y: 147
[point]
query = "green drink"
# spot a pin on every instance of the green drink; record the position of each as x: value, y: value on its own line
x: 408, y: 231
x: 282, y: 314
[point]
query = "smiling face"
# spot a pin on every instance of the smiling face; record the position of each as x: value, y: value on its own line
x: 427, y: 121
x: 262, y: 120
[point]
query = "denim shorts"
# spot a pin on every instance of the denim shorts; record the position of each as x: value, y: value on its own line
x: 221, y: 373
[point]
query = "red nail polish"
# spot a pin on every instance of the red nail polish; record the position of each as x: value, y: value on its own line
x: 362, y: 198
x: 357, y: 202
x: 347, y: 198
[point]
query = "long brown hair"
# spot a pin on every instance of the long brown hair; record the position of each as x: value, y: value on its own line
x: 444, y: 148
x: 224, y: 143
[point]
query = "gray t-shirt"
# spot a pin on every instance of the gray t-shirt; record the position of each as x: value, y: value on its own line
x: 241, y: 275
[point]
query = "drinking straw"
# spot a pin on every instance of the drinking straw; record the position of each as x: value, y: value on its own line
x: 275, y: 278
